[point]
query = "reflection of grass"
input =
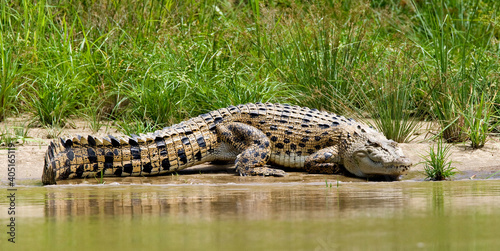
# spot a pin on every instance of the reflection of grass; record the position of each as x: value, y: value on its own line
x: 437, y: 163
x: 330, y: 185
x: 493, y: 174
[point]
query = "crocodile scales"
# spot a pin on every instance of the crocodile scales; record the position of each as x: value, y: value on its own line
x: 253, y: 136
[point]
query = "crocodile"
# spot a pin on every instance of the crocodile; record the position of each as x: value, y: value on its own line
x: 260, y: 138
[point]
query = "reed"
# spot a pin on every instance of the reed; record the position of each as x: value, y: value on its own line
x: 437, y: 163
x: 478, y: 120
x: 456, y: 38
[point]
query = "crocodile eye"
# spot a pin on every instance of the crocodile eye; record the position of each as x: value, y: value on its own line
x: 361, y: 154
x: 393, y: 143
x: 373, y: 144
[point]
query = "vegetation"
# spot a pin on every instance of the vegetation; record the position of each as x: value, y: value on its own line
x: 478, y: 121
x: 437, y: 163
x: 145, y: 64
x: 13, y: 135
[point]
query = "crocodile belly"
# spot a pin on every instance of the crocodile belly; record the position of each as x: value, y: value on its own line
x: 287, y: 159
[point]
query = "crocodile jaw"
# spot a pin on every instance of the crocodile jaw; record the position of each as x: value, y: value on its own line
x: 377, y: 157
x: 368, y: 167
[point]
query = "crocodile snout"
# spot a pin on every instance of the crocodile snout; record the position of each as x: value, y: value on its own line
x: 404, y: 161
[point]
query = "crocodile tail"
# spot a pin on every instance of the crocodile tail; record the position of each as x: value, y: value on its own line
x: 48, y: 175
x: 81, y: 157
x: 59, y: 159
x: 167, y: 150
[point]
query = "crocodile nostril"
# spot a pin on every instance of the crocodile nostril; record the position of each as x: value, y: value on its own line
x: 405, y: 161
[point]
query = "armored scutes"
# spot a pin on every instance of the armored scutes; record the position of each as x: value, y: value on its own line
x: 252, y: 135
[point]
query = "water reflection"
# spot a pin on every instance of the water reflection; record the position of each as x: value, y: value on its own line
x: 259, y: 216
x: 277, y: 201
x: 438, y: 198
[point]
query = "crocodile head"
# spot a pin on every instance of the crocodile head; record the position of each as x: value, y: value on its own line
x: 371, y: 154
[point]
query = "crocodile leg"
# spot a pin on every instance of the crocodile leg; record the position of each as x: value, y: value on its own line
x: 254, y: 148
x: 323, y: 161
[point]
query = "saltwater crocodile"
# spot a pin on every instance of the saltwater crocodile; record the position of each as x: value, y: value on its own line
x: 253, y: 136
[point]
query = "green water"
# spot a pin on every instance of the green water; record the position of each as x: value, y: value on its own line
x: 408, y: 215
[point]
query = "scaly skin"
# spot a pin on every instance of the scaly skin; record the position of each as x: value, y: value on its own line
x: 252, y: 135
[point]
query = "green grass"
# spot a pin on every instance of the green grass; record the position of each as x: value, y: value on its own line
x: 390, y: 102
x: 143, y: 65
x: 51, y: 100
x: 94, y: 117
x: 456, y: 37
x: 478, y: 120
x: 17, y: 134
x: 11, y: 71
x: 437, y: 163
x: 101, y: 177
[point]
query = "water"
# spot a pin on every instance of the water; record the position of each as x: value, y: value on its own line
x: 217, y: 212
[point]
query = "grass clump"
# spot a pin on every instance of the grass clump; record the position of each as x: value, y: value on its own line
x: 51, y: 101
x: 320, y: 57
x: 10, y: 73
x: 455, y: 37
x: 437, y: 163
x: 17, y: 134
x: 478, y: 121
x: 390, y: 101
